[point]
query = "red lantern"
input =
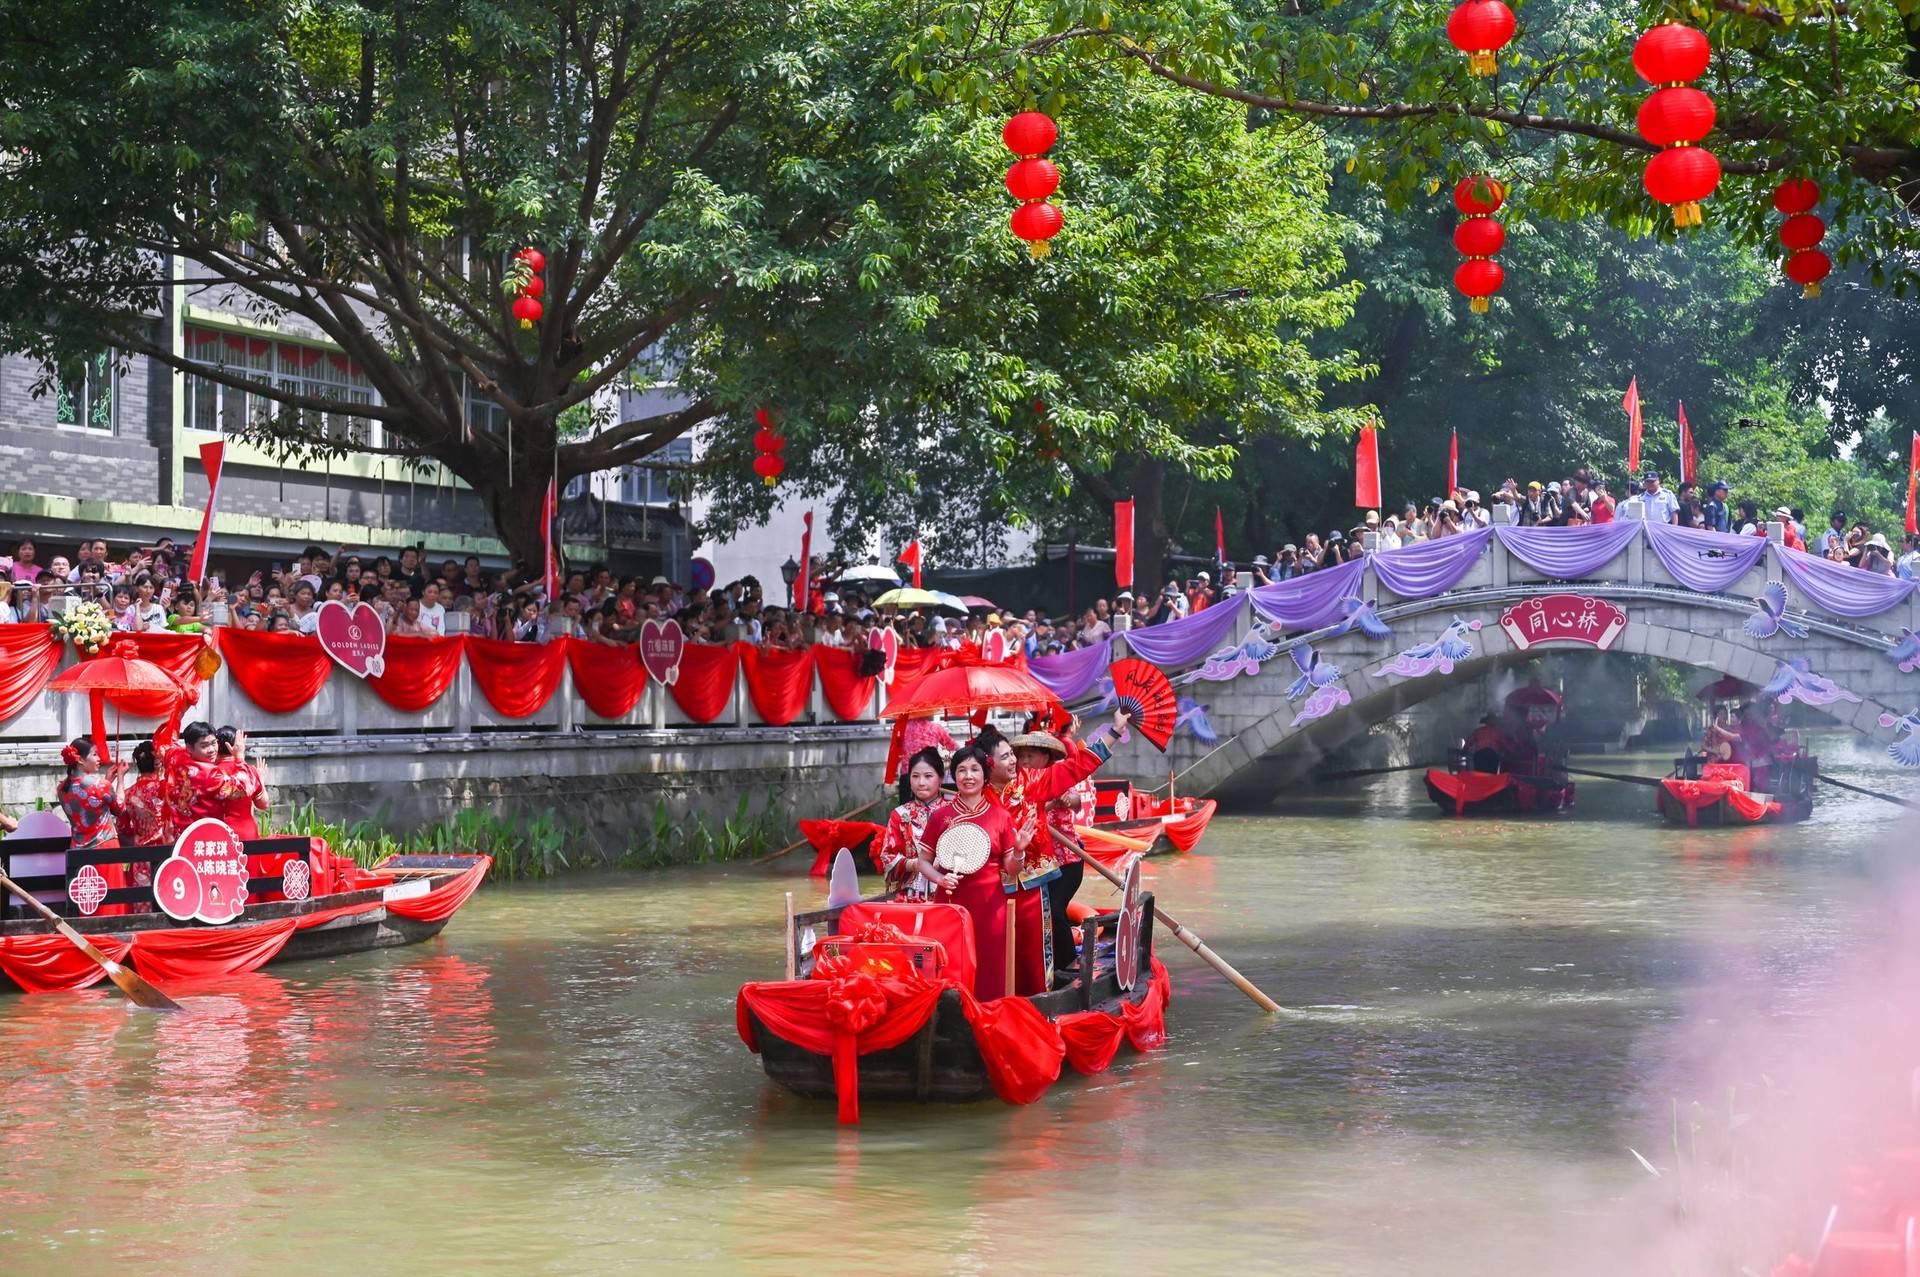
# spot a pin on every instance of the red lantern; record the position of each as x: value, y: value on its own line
x: 1030, y: 133
x: 1801, y: 231
x: 763, y: 416
x: 1682, y: 177
x: 1671, y: 53
x: 1479, y: 279
x: 1479, y: 195
x: 534, y: 287
x: 1796, y: 195
x: 527, y: 310
x: 1037, y: 223
x: 1808, y: 269
x: 1030, y: 180
x: 1479, y: 237
x: 769, y: 467
x: 767, y: 441
x: 1480, y: 29
x: 1675, y: 115
x: 535, y: 259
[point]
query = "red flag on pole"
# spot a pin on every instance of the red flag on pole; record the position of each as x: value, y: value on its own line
x: 1123, y: 543
x: 550, y: 575
x: 1913, y: 483
x: 911, y: 557
x: 1366, y: 470
x: 211, y: 457
x: 1453, y: 464
x: 1632, y: 404
x: 803, y: 587
x: 1687, y: 455
x: 1219, y: 537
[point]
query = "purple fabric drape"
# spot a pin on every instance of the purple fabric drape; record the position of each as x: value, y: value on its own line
x: 1311, y: 601
x: 1427, y: 568
x: 1701, y: 560
x: 1187, y: 641
x: 1567, y: 554
x: 1072, y: 675
x: 1840, y: 589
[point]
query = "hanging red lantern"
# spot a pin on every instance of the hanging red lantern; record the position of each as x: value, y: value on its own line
x: 1682, y: 176
x: 1796, y: 195
x: 1480, y: 29
x: 527, y: 310
x: 1033, y: 179
x: 1807, y: 269
x: 534, y: 287
x: 1479, y: 195
x: 1479, y: 278
x: 763, y: 416
x: 769, y: 467
x: 765, y: 440
x: 1030, y: 133
x: 1037, y: 223
x: 1801, y: 232
x: 1479, y: 237
x: 1671, y: 53
x: 535, y: 259
x: 1676, y: 115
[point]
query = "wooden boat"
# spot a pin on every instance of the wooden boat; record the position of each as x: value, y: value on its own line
x: 1169, y: 824
x: 335, y: 908
x: 1463, y: 791
x: 1704, y: 792
x: 942, y: 1061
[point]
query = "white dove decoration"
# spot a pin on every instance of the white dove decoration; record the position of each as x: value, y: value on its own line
x: 1314, y: 672
x: 1905, y: 651
x: 1231, y: 662
x: 1441, y: 654
x: 1193, y: 717
x: 1905, y: 749
x: 1794, y: 680
x: 1360, y: 615
x: 1770, y: 615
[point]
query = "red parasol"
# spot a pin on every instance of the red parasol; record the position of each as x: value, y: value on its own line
x: 1727, y: 689
x: 962, y: 681
x: 977, y: 604
x: 105, y: 676
x: 1533, y: 694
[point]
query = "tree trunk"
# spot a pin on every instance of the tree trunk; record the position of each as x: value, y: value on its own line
x: 1149, y: 527
x: 516, y: 512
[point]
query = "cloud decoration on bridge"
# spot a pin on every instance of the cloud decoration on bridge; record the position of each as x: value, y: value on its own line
x: 1905, y: 748
x: 1794, y: 680
x: 1424, y: 658
x: 1322, y: 702
x: 1770, y: 615
x: 1905, y: 651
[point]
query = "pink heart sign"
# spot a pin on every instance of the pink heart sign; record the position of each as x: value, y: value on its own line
x: 661, y: 645
x: 885, y: 641
x: 354, y: 637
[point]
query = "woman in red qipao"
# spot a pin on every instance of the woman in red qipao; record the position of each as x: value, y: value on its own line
x: 90, y: 800
x: 975, y: 847
x: 146, y: 818
x: 896, y: 853
x: 242, y: 789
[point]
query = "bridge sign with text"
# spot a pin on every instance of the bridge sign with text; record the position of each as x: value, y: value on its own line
x: 1564, y: 618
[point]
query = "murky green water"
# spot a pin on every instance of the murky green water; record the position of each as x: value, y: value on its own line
x: 1490, y: 1014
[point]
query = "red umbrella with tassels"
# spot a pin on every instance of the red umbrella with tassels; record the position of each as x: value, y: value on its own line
x: 963, y: 682
x: 121, y: 679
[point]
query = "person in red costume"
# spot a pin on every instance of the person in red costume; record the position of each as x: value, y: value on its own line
x: 243, y: 790
x: 898, y: 848
x: 90, y: 800
x: 973, y: 848
x: 146, y: 818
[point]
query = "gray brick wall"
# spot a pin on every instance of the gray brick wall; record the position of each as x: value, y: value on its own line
x: 37, y: 455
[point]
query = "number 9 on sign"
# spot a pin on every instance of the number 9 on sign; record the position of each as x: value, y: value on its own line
x: 177, y: 889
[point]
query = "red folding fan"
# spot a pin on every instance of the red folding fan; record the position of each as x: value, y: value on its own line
x: 1145, y: 694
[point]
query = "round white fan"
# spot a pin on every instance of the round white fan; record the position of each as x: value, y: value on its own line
x: 962, y: 848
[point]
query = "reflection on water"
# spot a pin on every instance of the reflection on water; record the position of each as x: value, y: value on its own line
x: 1489, y: 1012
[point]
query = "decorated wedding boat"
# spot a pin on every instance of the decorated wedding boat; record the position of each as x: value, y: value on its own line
x: 1742, y: 774
x: 216, y: 906
x: 1500, y: 769
x: 1166, y: 824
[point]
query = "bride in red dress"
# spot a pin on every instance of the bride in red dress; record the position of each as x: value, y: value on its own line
x: 975, y: 847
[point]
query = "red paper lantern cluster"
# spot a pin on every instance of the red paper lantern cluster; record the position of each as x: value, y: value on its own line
x: 1480, y: 29
x: 1676, y: 118
x: 768, y: 445
x: 1801, y: 233
x: 527, y: 286
x: 1478, y: 237
x: 1032, y: 180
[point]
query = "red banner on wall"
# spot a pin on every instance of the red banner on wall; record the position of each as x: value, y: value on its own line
x: 609, y: 679
x: 778, y: 681
x: 705, y: 686
x: 278, y: 672
x: 518, y: 679
x: 418, y: 670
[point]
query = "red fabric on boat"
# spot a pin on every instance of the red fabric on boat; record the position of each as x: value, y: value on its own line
x: 848, y: 694
x: 518, y: 679
x: 441, y: 903
x: 1750, y: 807
x: 1694, y: 796
x: 830, y: 836
x: 278, y: 672
x: 1093, y: 1037
x: 1468, y: 787
x: 844, y: 1019
x: 1732, y: 773
x: 320, y: 916
x: 1185, y: 833
x: 177, y: 654
x: 192, y: 954
x: 1146, y: 1020
x: 52, y: 964
x: 704, y: 688
x: 29, y: 654
x: 609, y: 679
x: 778, y: 681
x: 951, y: 925
x: 419, y: 670
x: 1020, y: 1047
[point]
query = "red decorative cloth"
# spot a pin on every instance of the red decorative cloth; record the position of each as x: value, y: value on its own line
x: 609, y: 679
x: 1732, y: 773
x: 704, y: 688
x: 419, y: 670
x: 443, y: 901
x: 1751, y: 808
x: 52, y: 964
x: 1093, y: 1037
x: 848, y: 694
x: 1020, y: 1047
x: 778, y: 681
x: 912, y: 663
x: 29, y: 654
x: 1468, y: 787
x: 518, y: 679
x: 951, y: 925
x: 830, y: 836
x: 192, y: 954
x: 1185, y: 833
x: 278, y: 672
x: 843, y: 1019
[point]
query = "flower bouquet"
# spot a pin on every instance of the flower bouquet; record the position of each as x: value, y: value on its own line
x: 86, y: 625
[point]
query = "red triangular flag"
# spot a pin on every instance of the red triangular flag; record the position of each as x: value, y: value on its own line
x: 1219, y: 537
x: 1123, y: 544
x: 1632, y: 404
x: 1913, y: 482
x: 911, y: 557
x: 1688, y: 458
x: 1453, y: 464
x: 211, y: 457
x: 803, y: 588
x: 1366, y: 470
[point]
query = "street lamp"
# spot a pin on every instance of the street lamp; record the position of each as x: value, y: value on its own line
x: 790, y: 572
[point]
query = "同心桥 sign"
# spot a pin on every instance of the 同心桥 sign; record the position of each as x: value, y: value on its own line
x: 1564, y: 618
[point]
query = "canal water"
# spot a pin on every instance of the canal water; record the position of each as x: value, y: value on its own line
x: 1486, y: 1017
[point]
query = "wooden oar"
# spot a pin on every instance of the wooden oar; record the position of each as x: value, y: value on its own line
x: 1650, y: 781
x: 792, y: 847
x: 1855, y: 789
x: 1375, y: 771
x: 142, y: 993
x: 1091, y: 833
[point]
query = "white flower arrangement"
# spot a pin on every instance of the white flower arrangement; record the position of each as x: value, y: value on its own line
x: 86, y: 625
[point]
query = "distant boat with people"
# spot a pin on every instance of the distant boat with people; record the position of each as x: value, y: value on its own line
x: 1501, y: 767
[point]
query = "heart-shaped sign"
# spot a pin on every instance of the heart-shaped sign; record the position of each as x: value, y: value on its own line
x: 994, y: 646
x: 354, y: 637
x: 887, y: 642
x: 661, y: 645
